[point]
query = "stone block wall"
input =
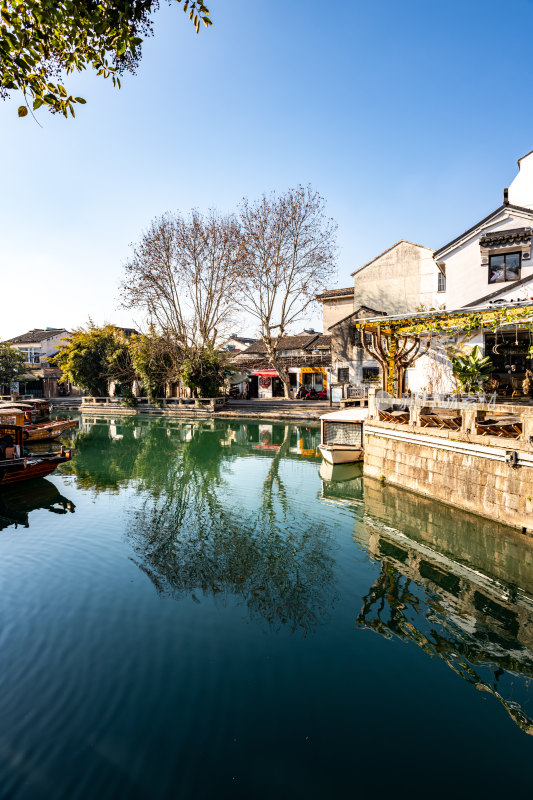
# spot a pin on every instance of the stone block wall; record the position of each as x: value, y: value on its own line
x: 462, y: 473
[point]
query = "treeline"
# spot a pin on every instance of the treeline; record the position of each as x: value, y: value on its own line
x: 96, y: 357
x: 192, y: 277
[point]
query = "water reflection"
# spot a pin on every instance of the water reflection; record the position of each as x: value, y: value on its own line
x: 18, y: 501
x: 459, y: 587
x: 192, y: 540
x: 192, y: 536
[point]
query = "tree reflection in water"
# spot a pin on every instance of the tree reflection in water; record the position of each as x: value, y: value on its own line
x: 192, y: 538
x: 189, y: 532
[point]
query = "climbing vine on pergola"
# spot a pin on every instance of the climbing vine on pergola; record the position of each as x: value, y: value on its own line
x: 397, y: 342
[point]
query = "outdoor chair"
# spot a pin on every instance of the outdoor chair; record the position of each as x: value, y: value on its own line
x: 401, y: 417
x: 434, y: 420
x: 505, y: 428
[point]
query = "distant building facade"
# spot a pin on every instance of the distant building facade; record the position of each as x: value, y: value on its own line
x: 39, y: 346
x: 306, y: 356
x: 237, y: 343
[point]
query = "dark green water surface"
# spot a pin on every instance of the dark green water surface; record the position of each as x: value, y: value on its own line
x: 190, y: 610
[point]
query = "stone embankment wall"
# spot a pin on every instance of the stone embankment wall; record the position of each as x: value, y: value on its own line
x: 484, y: 474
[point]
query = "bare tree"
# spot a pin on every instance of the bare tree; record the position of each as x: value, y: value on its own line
x: 184, y: 275
x: 288, y: 253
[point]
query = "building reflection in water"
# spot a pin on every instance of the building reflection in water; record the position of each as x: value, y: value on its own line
x: 18, y: 501
x: 458, y: 586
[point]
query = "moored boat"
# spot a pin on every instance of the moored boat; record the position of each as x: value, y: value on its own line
x: 16, y: 465
x: 35, y: 431
x: 35, y: 410
x: 341, y: 435
x: 42, y: 431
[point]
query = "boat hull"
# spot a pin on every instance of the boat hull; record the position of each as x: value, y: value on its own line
x: 337, y: 454
x: 42, y: 432
x: 29, y: 468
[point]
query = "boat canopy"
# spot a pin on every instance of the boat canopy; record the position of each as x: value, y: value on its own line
x: 235, y: 378
x: 354, y: 414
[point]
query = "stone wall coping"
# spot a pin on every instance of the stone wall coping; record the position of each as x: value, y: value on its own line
x: 455, y: 436
x: 459, y: 405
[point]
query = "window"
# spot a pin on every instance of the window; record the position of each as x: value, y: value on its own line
x: 504, y: 267
x: 370, y: 374
x: 441, y: 282
x: 31, y: 355
x: 343, y: 375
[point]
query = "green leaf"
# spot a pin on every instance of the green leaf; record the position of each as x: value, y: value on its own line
x: 22, y: 111
x: 80, y: 100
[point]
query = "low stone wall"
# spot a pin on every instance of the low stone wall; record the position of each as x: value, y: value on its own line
x: 143, y: 404
x: 486, y: 475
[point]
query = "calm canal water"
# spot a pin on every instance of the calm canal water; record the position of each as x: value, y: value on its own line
x: 190, y: 610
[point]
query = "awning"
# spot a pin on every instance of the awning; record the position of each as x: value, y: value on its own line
x: 265, y: 373
x: 237, y: 377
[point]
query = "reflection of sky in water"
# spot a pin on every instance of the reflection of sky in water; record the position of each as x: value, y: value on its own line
x: 204, y: 625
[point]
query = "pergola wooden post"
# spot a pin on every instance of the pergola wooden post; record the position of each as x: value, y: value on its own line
x: 395, y: 342
x: 393, y: 356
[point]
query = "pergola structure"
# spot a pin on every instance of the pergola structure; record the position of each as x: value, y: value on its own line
x: 396, y: 342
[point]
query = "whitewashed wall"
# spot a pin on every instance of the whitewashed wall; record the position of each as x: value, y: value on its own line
x: 466, y: 279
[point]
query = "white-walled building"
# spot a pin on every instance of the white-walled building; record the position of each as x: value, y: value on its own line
x: 490, y: 262
x: 402, y: 278
x: 493, y: 257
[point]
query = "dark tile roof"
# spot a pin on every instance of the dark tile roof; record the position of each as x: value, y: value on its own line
x: 361, y: 312
x: 242, y: 339
x: 36, y: 335
x: 285, y: 343
x: 506, y: 236
x: 317, y: 360
x: 347, y: 292
x: 322, y: 343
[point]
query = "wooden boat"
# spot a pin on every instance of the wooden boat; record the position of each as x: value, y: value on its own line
x: 41, y: 407
x: 15, y: 465
x: 43, y: 431
x: 35, y: 410
x: 341, y: 435
x: 35, y: 431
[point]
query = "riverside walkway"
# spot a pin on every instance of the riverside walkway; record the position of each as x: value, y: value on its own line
x: 275, y: 408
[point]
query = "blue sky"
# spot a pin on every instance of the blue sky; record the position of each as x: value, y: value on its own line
x: 407, y: 117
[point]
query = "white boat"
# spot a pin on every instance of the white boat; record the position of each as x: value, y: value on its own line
x: 341, y: 435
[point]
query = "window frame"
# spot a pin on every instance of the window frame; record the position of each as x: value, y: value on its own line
x: 504, y: 256
x: 441, y: 282
x: 370, y: 374
x: 344, y: 370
